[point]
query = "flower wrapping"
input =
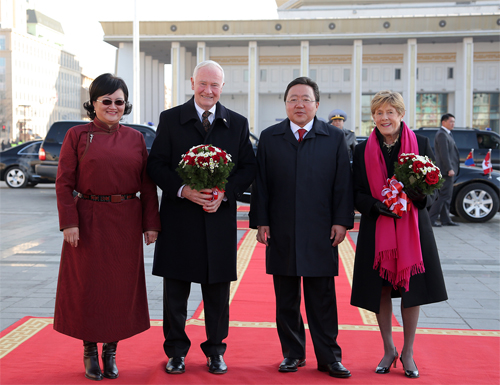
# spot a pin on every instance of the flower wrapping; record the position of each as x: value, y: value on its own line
x: 205, y: 167
x: 418, y: 172
x: 395, y: 198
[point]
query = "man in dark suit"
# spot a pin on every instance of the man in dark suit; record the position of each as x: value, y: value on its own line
x: 198, y: 238
x: 448, y: 161
x: 302, y: 205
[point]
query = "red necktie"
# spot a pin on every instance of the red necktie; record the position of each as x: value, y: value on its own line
x: 302, y: 132
x: 205, y: 122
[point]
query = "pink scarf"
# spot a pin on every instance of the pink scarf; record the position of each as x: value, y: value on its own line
x: 398, y: 255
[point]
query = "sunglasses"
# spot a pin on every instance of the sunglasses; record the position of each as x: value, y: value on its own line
x: 108, y: 102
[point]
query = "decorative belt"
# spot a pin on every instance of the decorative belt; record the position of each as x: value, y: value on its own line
x: 107, y: 198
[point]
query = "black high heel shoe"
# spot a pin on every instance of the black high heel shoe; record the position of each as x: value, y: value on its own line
x: 387, y: 369
x: 409, y: 373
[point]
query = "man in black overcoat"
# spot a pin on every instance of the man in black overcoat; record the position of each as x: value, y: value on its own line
x: 198, y: 238
x: 448, y: 161
x: 302, y: 205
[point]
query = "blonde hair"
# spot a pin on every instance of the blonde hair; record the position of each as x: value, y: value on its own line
x: 392, y: 98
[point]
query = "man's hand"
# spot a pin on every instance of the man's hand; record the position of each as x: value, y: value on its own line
x: 451, y: 173
x: 213, y: 206
x: 263, y: 234
x: 199, y: 197
x: 72, y: 235
x: 337, y: 234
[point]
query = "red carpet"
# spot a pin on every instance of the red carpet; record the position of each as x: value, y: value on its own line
x: 32, y: 353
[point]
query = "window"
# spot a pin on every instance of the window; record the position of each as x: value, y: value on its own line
x: 245, y: 76
x: 486, y: 111
x: 263, y: 75
x: 296, y: 73
x: 397, y: 74
x: 430, y: 108
x: 364, y: 74
x: 450, y: 72
x: 366, y: 115
x: 2, y: 43
x: 313, y: 74
x: 347, y: 74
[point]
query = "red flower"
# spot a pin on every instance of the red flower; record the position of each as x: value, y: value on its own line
x: 432, y: 177
x: 417, y: 166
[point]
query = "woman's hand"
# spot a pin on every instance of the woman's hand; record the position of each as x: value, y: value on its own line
x: 415, y: 194
x: 150, y: 237
x: 72, y: 235
x: 381, y: 209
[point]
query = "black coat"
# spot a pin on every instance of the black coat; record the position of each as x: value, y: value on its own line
x: 300, y: 191
x: 367, y: 284
x: 194, y: 245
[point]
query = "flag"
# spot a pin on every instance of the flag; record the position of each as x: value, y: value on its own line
x: 469, y: 161
x: 487, y: 167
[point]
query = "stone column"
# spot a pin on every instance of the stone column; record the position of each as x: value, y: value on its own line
x: 468, y: 91
x: 201, y: 54
x: 411, y: 84
x: 356, y: 85
x: 304, y: 58
x: 253, y: 85
x: 175, y: 54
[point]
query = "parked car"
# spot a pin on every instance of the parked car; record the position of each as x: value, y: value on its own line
x: 17, y: 165
x: 476, y: 197
x: 50, y: 149
x: 467, y: 139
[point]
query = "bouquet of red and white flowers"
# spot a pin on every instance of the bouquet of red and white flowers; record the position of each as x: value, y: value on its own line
x: 205, y: 167
x: 418, y: 172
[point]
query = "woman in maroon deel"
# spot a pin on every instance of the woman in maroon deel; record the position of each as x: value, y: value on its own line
x: 101, y: 291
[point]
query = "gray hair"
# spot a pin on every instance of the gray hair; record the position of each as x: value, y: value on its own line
x: 208, y: 63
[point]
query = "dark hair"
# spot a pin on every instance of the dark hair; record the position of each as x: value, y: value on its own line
x: 445, y: 117
x: 106, y: 84
x: 306, y: 81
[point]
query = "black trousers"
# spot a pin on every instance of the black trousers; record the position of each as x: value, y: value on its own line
x: 441, y: 207
x: 321, y: 310
x: 216, y: 306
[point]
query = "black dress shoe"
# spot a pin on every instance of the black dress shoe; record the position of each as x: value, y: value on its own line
x: 291, y: 364
x: 451, y: 223
x: 435, y: 224
x: 335, y: 369
x: 409, y: 373
x: 175, y: 365
x: 216, y: 364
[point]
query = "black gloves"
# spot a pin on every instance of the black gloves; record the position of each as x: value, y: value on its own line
x: 381, y: 209
x: 415, y: 194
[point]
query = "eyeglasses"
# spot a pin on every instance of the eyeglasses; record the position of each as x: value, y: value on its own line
x: 301, y: 101
x: 108, y: 102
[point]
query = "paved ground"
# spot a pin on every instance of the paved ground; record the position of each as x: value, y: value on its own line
x: 30, y: 245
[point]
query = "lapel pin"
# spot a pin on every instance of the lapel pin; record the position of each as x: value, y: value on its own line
x: 225, y: 121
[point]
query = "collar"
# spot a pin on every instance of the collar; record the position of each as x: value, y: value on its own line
x: 200, y: 111
x: 103, y: 126
x: 444, y: 128
x: 307, y: 127
x: 189, y: 112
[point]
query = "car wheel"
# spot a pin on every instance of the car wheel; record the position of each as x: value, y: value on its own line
x: 477, y: 202
x: 16, y: 177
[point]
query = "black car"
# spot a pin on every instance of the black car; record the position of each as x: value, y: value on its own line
x: 50, y: 149
x: 476, y: 197
x: 467, y: 139
x: 17, y: 165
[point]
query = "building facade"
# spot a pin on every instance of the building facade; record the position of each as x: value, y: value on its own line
x: 39, y: 81
x: 442, y: 57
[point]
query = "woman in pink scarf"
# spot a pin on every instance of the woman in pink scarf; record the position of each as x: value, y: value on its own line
x: 396, y: 256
